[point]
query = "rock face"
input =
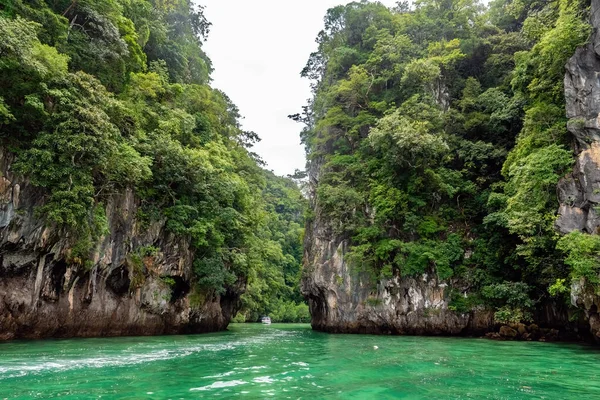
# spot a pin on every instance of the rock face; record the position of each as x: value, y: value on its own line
x: 344, y: 301
x: 340, y: 303
x: 138, y: 281
x: 579, y: 192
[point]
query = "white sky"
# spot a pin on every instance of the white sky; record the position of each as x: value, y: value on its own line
x: 258, y: 49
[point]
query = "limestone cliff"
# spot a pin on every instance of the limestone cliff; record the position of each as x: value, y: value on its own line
x: 579, y: 192
x: 342, y: 300
x: 125, y: 290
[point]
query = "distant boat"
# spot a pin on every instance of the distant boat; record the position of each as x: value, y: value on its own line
x: 266, y: 320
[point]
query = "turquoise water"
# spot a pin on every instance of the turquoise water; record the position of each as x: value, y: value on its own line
x: 290, y: 361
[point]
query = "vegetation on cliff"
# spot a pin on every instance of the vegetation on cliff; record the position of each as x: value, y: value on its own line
x: 436, y: 137
x: 103, y: 96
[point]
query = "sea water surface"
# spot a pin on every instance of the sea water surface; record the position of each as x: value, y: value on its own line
x: 256, y: 361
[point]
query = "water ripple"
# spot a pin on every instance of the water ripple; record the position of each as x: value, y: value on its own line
x: 219, y: 385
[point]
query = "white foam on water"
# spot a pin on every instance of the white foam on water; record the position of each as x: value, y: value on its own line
x: 132, y: 355
x: 300, y: 363
x: 128, y: 357
x: 219, y: 385
x: 255, y: 368
x: 223, y: 375
x: 263, y: 379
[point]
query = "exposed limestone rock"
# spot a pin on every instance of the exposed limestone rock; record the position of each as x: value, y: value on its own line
x: 585, y: 296
x: 579, y: 192
x: 572, y: 219
x: 44, y: 292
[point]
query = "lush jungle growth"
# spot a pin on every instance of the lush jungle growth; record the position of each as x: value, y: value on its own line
x: 438, y: 131
x: 100, y: 96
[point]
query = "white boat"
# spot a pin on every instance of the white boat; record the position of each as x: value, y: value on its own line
x: 266, y: 320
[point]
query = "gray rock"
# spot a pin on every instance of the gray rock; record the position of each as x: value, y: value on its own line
x: 570, y: 192
x: 584, y: 295
x: 593, y: 221
x: 579, y: 193
x: 571, y: 219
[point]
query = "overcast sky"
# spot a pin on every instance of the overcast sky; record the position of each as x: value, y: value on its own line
x: 258, y: 49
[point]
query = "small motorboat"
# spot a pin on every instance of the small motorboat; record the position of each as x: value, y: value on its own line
x: 266, y: 320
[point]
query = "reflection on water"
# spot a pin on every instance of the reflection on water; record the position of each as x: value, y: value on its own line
x: 291, y: 361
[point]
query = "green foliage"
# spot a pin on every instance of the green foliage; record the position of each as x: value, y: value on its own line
x: 514, y: 294
x: 507, y: 315
x: 279, y: 311
x: 148, y: 251
x: 290, y: 311
x: 418, y: 257
x: 582, y: 255
x: 5, y: 114
x: 407, y: 143
x: 20, y: 46
x: 80, y: 151
x: 511, y: 299
x: 273, y: 283
x: 559, y: 288
x: 540, y: 71
x: 137, y: 261
x: 239, y: 318
x: 168, y: 281
x: 213, y: 274
x: 462, y: 303
x: 541, y: 155
x: 531, y: 190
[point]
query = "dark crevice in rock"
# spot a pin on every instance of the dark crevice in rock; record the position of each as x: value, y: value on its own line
x: 179, y: 289
x: 118, y: 281
x: 54, y: 278
x: 58, y: 276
